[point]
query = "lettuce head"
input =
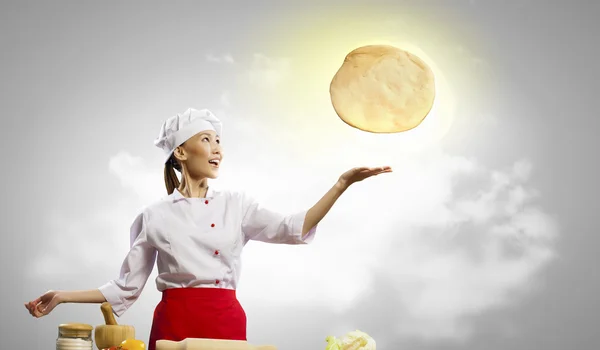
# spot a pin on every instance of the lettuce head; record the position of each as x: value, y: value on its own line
x: 355, y: 340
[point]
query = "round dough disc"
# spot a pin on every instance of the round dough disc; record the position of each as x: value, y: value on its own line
x: 382, y: 89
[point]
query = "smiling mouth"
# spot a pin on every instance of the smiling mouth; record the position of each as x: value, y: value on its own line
x: 214, y: 163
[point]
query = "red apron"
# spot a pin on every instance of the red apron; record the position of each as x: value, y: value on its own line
x: 198, y: 313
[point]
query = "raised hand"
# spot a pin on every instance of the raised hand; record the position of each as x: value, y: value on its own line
x: 358, y: 174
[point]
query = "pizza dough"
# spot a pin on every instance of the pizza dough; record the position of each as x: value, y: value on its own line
x: 382, y: 89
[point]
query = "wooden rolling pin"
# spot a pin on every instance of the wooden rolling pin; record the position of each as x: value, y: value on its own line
x: 209, y: 344
x: 111, y: 333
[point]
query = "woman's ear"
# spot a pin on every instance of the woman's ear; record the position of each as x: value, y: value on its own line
x: 179, y: 154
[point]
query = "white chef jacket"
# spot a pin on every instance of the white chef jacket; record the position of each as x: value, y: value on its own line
x: 197, y: 242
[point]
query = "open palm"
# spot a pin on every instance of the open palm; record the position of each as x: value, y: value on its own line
x: 358, y: 174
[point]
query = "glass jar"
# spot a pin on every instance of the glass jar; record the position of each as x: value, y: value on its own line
x: 74, y: 336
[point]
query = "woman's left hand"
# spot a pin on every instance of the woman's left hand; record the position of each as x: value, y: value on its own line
x: 358, y: 174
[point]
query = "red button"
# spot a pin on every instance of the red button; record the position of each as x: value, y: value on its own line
x: 205, y: 202
x: 212, y: 225
x: 216, y: 252
x: 217, y: 281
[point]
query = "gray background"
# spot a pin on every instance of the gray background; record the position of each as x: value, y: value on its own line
x: 485, y: 239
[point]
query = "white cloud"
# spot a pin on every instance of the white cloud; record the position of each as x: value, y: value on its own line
x: 220, y: 59
x: 268, y: 71
x: 452, y: 238
x: 479, y: 252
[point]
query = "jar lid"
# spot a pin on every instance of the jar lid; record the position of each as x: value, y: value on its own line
x: 75, y: 330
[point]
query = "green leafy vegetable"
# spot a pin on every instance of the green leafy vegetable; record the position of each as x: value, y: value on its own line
x: 333, y: 343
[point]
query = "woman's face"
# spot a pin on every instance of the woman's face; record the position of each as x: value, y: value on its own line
x: 201, y: 155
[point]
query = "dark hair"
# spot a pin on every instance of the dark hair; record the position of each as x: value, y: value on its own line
x: 171, y: 179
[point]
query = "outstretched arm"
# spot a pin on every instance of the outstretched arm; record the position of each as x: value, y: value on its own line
x: 319, y: 210
x: 92, y: 296
x: 264, y: 225
x: 322, y: 207
x: 47, y: 302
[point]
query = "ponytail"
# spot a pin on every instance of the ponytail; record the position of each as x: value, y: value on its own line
x: 171, y: 179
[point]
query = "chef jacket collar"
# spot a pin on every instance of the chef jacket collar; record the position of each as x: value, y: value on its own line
x: 176, y: 195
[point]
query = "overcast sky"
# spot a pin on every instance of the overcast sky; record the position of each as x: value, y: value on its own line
x: 484, y: 236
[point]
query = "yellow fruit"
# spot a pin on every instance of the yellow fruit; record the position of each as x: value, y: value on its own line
x: 133, y: 344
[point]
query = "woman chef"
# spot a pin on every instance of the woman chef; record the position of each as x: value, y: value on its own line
x: 196, y: 235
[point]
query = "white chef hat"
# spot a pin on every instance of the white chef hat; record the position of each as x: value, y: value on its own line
x: 179, y: 128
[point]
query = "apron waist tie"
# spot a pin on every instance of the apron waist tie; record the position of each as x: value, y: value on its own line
x: 200, y: 293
